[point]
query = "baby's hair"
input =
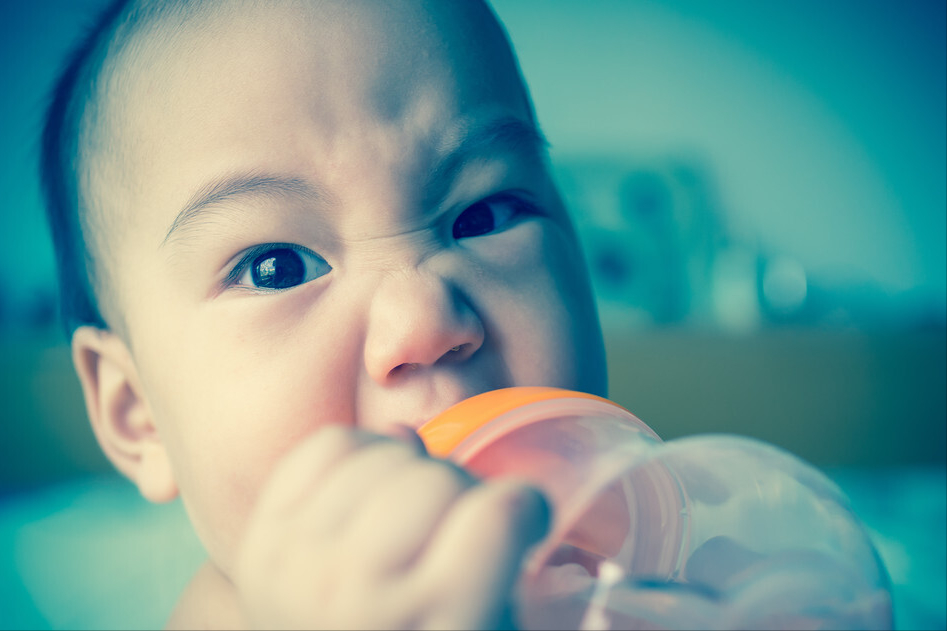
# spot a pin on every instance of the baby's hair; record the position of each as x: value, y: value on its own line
x: 58, y: 170
x: 81, y: 88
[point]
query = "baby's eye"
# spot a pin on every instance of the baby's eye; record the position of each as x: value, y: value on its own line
x: 487, y: 216
x: 279, y: 267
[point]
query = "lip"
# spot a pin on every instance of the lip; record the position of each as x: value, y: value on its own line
x: 421, y: 422
x: 440, y: 408
x: 412, y: 426
x: 422, y: 400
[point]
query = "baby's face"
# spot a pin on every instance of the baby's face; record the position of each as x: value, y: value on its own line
x: 334, y: 214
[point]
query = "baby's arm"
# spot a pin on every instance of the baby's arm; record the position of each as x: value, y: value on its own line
x: 358, y: 531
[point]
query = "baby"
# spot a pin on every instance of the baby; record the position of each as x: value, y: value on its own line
x: 289, y: 233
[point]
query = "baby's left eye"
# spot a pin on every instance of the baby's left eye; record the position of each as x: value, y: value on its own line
x: 487, y: 216
x: 279, y: 267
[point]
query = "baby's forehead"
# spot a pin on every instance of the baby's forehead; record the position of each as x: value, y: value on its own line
x: 215, y: 76
x: 389, y: 56
x: 387, y: 37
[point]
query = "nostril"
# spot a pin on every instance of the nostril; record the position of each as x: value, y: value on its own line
x: 454, y: 353
x: 457, y: 353
x: 403, y: 368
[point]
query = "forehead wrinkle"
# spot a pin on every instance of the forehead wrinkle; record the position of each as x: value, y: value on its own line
x: 217, y: 193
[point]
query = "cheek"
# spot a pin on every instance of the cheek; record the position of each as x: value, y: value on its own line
x: 229, y: 403
x: 543, y: 313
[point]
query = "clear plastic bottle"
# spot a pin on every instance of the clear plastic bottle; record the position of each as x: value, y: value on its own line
x: 704, y: 532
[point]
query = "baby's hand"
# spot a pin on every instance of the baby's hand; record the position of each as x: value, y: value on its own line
x: 359, y: 531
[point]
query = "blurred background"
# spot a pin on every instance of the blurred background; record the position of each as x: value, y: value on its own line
x: 760, y: 189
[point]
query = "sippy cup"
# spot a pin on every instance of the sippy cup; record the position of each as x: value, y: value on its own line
x: 702, y: 532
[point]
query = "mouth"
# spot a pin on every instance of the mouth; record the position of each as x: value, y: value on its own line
x: 424, y: 419
x: 419, y: 408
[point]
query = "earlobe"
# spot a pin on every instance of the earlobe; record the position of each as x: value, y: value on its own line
x: 120, y: 415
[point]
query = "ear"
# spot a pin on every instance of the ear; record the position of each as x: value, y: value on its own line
x: 121, y: 417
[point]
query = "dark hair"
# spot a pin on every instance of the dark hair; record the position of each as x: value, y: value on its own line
x: 58, y: 161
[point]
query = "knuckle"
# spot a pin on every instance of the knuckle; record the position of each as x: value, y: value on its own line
x: 436, y: 478
x: 447, y: 473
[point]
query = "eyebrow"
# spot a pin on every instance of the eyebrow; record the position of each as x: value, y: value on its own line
x: 508, y: 131
x: 235, y: 186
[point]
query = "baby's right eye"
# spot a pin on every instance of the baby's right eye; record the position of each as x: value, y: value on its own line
x: 278, y: 266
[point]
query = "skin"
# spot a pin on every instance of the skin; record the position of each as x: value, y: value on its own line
x: 264, y: 409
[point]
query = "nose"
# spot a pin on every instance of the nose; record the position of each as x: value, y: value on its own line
x: 418, y: 320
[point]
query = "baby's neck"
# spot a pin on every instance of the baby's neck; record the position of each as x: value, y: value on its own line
x: 208, y: 602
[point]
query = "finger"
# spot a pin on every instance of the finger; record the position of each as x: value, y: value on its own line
x: 495, y: 524
x: 290, y: 481
x: 342, y: 493
x: 400, y: 515
x: 305, y: 466
x: 278, y: 540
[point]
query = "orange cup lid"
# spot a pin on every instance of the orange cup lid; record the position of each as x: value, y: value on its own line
x: 446, y: 430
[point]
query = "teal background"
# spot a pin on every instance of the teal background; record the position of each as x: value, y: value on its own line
x: 822, y: 123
